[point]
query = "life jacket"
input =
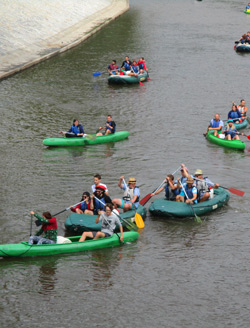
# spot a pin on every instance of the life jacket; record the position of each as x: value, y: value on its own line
x: 135, y: 69
x: 189, y: 191
x: 129, y: 194
x: 215, y: 124
x: 141, y: 65
x: 113, y: 67
x: 231, y: 130
x: 75, y: 129
x: 233, y: 115
x: 170, y: 193
x: 126, y: 66
x: 52, y: 224
x: 202, y: 187
x: 114, y: 126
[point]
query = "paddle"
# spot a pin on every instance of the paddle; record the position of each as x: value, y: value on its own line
x: 68, y: 208
x: 243, y: 134
x: 100, y: 73
x: 197, y: 218
x: 129, y: 225
x: 145, y: 199
x: 232, y: 190
x: 31, y: 216
x: 72, y: 135
x: 138, y: 219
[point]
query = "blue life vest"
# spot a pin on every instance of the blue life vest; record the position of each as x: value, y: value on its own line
x: 126, y: 66
x: 99, y: 206
x: 214, y: 124
x: 141, y: 66
x: 75, y: 129
x: 84, y: 206
x: 135, y: 69
x: 114, y: 127
x: 234, y: 115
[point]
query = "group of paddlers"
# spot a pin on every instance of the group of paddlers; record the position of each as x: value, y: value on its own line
x: 128, y: 67
x: 191, y: 189
x: 77, y: 130
x: 98, y: 203
x: 236, y: 115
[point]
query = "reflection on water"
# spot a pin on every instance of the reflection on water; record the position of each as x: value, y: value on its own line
x: 47, y: 277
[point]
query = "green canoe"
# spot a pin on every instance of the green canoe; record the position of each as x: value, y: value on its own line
x: 247, y: 11
x: 24, y: 249
x: 91, y: 139
x: 241, y: 125
x: 234, y: 144
x: 171, y: 209
x: 79, y: 223
x: 126, y: 79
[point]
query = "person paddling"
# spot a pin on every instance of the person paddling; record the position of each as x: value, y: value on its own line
x: 231, y: 132
x: 242, y: 108
x: 49, y: 228
x: 189, y: 194
x: 87, y: 205
x: 204, y: 186
x: 234, y: 114
x: 76, y: 130
x: 108, y: 225
x: 113, y: 68
x: 109, y: 128
x: 131, y: 195
x: 170, y: 188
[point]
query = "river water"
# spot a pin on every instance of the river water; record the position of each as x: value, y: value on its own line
x: 178, y: 274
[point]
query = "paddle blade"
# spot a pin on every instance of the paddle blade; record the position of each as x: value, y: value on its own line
x: 248, y: 137
x: 97, y: 73
x: 197, y: 219
x: 236, y: 192
x: 140, y: 83
x: 139, y: 221
x: 90, y: 136
x: 149, y: 79
x: 145, y: 199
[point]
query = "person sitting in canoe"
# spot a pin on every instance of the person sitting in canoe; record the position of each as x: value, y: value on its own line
x: 49, y: 228
x: 126, y: 64
x: 97, y: 182
x: 135, y: 70
x: 131, y: 195
x: 204, y: 186
x: 108, y: 225
x: 87, y: 205
x: 230, y: 131
x: 113, y: 68
x: 170, y: 188
x: 242, y: 108
x: 76, y: 130
x: 141, y: 64
x: 216, y: 124
x: 99, y: 194
x: 189, y: 194
x: 234, y: 114
x: 245, y: 38
x: 247, y: 7
x: 110, y: 127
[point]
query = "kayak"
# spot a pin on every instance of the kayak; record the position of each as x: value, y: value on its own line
x: 72, y: 245
x: 241, y: 125
x: 242, y: 47
x: 79, y: 223
x: 90, y: 139
x: 234, y: 144
x: 126, y: 79
x: 168, y: 208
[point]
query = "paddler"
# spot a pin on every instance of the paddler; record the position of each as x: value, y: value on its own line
x: 76, y: 130
x: 170, y: 188
x: 204, y: 186
x: 230, y: 131
x: 108, y: 225
x: 242, y: 108
x: 189, y: 194
x: 216, y: 124
x: 234, y: 114
x: 131, y: 195
x: 109, y: 128
x: 49, y: 228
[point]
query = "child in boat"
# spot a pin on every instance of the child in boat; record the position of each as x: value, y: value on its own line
x: 108, y: 225
x: 49, y: 228
x: 230, y: 131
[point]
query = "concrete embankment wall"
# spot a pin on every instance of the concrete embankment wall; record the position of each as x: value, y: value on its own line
x: 34, y: 30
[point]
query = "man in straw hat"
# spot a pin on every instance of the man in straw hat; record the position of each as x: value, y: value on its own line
x: 131, y: 195
x: 204, y: 186
x: 188, y: 192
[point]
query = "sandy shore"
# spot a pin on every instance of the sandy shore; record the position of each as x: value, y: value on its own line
x: 24, y: 57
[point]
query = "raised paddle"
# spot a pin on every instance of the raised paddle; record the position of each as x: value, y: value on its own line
x: 129, y: 225
x: 68, y: 208
x: 232, y: 190
x: 197, y: 218
x: 138, y: 218
x: 145, y: 199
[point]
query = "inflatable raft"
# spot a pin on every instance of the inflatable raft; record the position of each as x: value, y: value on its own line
x: 172, y: 209
x: 72, y: 246
x: 242, y: 47
x: 91, y: 139
x: 233, y: 144
x: 78, y: 223
x: 240, y: 125
x: 126, y: 79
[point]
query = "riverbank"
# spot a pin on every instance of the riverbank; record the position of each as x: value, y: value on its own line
x: 36, y: 43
